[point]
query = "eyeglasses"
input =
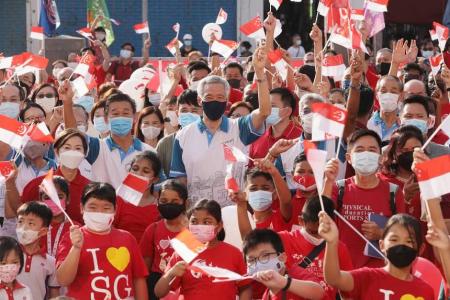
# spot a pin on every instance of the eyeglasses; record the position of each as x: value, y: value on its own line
x: 48, y: 95
x: 34, y: 119
x: 263, y: 259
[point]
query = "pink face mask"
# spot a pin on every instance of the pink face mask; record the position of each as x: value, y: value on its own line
x: 203, y: 233
x: 54, y: 208
x: 8, y: 272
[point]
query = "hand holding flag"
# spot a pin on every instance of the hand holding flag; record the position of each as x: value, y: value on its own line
x: 142, y: 28
x: 187, y: 246
x: 221, y: 17
x: 317, y: 159
x: 8, y: 170
x: 233, y: 154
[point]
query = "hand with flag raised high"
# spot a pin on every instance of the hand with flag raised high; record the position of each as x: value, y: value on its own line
x: 330, y: 173
x: 419, y: 156
x: 238, y: 197
x: 65, y: 92
x: 437, y: 237
x: 12, y: 176
x: 270, y: 22
x: 316, y: 34
x: 356, y: 67
x: 328, y: 229
x: 303, y: 82
x: 266, y: 166
x: 259, y: 61
x: 281, y: 146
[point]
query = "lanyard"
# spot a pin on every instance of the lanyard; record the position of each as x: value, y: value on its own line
x: 52, y: 252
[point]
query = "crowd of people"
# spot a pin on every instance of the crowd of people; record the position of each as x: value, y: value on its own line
x: 96, y: 244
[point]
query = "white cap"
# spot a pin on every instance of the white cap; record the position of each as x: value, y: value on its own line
x: 187, y: 36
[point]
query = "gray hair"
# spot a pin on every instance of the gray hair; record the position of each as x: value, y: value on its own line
x: 212, y: 79
x: 64, y: 71
x: 309, y: 97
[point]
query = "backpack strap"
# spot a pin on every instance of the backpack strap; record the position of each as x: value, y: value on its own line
x: 392, y: 192
x: 341, y: 188
x: 307, y: 260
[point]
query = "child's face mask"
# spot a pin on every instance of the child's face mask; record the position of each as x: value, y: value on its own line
x: 9, y: 272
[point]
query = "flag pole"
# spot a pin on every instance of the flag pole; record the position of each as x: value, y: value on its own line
x: 322, y: 207
x: 358, y: 233
x: 339, y: 147
x: 434, y: 133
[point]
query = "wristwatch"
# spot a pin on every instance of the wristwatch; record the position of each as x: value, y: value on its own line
x: 288, y: 283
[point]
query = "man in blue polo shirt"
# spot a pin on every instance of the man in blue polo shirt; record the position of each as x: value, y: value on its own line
x: 198, y: 157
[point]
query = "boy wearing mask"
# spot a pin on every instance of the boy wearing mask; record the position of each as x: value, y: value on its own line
x: 98, y: 261
x: 33, y: 220
x: 266, y: 259
x: 358, y: 196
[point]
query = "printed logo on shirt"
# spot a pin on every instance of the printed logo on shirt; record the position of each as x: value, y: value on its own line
x: 356, y: 212
x: 119, y: 258
x: 387, y: 294
x: 165, y: 257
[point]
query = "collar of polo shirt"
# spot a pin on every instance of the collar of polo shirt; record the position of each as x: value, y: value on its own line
x: 224, y: 126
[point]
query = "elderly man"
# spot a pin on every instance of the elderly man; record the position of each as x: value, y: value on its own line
x: 415, y: 87
x: 198, y: 155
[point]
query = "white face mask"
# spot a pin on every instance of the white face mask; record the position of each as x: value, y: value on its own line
x: 82, y: 128
x: 26, y: 236
x: 150, y: 132
x: 388, y: 101
x: 365, y: 163
x: 125, y: 53
x: 71, y: 159
x: 97, y: 221
x: 46, y: 103
x: 307, y: 122
x: 10, y: 109
x: 154, y: 99
x: 313, y: 240
x: 172, y: 115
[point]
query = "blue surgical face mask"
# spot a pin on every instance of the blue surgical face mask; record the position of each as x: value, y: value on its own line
x: 10, y: 109
x: 260, y: 200
x: 120, y: 125
x: 86, y: 101
x: 274, y: 117
x: 273, y: 264
x: 418, y: 123
x: 100, y: 124
x: 184, y: 119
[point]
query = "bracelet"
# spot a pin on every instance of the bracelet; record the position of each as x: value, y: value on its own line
x: 275, y: 157
x: 261, y: 80
x: 288, y: 283
x: 356, y: 87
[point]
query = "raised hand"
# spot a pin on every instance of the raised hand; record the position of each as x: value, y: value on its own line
x: 65, y: 92
x: 270, y: 22
x: 315, y: 34
x: 259, y: 59
x: 400, y: 52
x: 327, y: 228
x: 281, y: 146
x: 412, y: 52
x: 356, y: 67
x: 76, y: 236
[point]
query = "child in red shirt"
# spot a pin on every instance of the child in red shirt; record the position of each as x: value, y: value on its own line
x: 155, y: 243
x: 98, y: 261
x: 305, y: 248
x: 400, y: 242
x: 263, y: 184
x: 11, y: 264
x: 266, y: 260
x: 135, y: 219
x: 205, y: 222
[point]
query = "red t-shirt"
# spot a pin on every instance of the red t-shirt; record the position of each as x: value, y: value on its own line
x: 155, y: 243
x: 298, y: 201
x: 261, y: 146
x: 108, y: 265
x: 356, y: 206
x: 295, y: 273
x: 122, y: 72
x: 76, y: 186
x: 134, y: 219
x: 377, y: 284
x: 99, y: 75
x: 297, y: 248
x: 198, y: 286
x: 275, y: 222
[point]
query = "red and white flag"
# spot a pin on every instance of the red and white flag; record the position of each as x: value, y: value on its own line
x: 324, y: 7
x: 230, y: 181
x: 6, y: 168
x: 176, y: 28
x: 233, y: 154
x: 327, y: 120
x: 141, y: 28
x: 26, y: 59
x: 12, y: 132
x: 253, y: 29
x: 276, y: 59
x: 434, y: 177
x: 276, y: 3
x: 317, y: 160
x: 445, y: 125
x: 342, y: 35
x: 442, y: 34
x: 171, y: 46
x: 85, y: 32
x: 86, y: 68
x: 114, y: 21
x: 187, y: 246
x: 40, y: 133
x: 79, y: 86
x: 221, y: 17
x: 433, y: 35
x: 333, y: 66
x: 49, y: 188
x: 377, y: 5
x: 224, y: 47
x: 357, y: 14
x: 132, y: 189
x: 37, y: 33
x: 435, y: 62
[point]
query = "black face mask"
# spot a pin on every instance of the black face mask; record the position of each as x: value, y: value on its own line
x: 405, y: 160
x: 383, y: 68
x: 214, y: 110
x: 250, y: 76
x: 401, y: 256
x: 170, y: 211
x: 235, y: 83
